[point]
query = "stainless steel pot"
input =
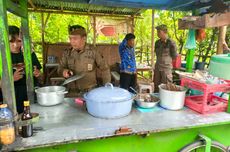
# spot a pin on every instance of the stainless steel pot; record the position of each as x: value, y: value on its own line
x: 51, y: 95
x: 172, y: 100
x: 108, y: 102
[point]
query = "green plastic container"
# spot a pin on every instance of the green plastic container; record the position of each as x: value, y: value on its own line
x: 195, y: 92
x: 220, y: 66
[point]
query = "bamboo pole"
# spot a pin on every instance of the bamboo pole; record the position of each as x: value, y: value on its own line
x: 44, y: 23
x: 132, y: 24
x: 7, y: 81
x: 43, y: 41
x: 152, y: 42
x: 94, y: 31
x: 27, y: 53
x: 221, y: 39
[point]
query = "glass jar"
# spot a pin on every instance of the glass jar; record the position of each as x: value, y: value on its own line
x: 7, y: 130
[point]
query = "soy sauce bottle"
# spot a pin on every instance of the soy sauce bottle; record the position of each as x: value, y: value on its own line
x: 27, y: 131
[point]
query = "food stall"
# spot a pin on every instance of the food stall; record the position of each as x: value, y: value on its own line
x: 70, y: 126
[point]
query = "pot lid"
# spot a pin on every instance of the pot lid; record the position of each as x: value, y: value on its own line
x: 108, y: 93
x: 222, y: 58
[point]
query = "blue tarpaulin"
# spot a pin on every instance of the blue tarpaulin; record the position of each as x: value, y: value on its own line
x: 184, y: 5
x: 125, y: 7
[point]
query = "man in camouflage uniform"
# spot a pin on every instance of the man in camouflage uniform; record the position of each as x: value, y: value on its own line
x: 165, y: 49
x: 81, y: 58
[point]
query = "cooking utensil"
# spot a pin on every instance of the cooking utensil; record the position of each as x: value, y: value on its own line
x: 134, y: 90
x: 73, y: 78
x: 108, y: 102
x: 51, y: 95
x: 172, y: 100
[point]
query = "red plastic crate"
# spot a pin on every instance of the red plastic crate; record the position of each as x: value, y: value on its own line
x: 206, y: 88
x: 213, y: 104
x: 177, y: 62
x: 206, y: 103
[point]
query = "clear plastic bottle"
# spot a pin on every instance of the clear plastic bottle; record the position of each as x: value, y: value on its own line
x: 7, y: 130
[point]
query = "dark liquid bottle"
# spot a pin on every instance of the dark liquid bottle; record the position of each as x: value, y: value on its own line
x: 27, y: 131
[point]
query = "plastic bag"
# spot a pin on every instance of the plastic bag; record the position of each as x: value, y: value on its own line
x: 191, y: 40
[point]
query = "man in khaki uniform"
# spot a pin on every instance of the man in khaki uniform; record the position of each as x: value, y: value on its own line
x: 81, y: 58
x: 165, y: 49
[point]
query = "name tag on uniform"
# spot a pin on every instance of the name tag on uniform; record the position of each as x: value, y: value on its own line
x: 90, y: 67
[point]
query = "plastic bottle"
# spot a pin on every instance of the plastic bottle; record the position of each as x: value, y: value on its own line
x: 7, y: 130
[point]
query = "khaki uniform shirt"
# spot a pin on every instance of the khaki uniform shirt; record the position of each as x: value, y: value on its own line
x: 165, y: 52
x: 85, y: 61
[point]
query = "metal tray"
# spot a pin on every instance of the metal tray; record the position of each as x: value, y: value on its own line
x: 144, y: 104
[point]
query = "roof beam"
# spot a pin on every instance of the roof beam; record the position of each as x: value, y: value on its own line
x: 79, y: 13
x: 138, y: 11
x: 205, y: 21
x: 32, y: 4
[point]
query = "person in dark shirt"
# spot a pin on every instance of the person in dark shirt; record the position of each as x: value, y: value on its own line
x: 18, y: 67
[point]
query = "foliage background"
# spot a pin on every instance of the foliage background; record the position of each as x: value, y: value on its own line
x: 57, y: 25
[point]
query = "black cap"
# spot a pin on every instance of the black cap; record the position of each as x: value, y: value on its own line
x: 75, y: 27
x: 162, y: 27
x: 130, y: 36
x: 77, y: 30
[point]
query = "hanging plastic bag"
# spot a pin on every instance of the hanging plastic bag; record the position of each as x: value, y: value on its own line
x: 191, y: 41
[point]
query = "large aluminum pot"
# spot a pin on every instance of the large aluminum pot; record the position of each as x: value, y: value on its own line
x: 51, y: 95
x: 108, y: 102
x: 172, y: 100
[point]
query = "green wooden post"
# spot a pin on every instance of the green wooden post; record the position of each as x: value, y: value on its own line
x: 191, y: 42
x: 0, y: 65
x: 6, y: 63
x: 27, y: 51
x: 16, y: 9
x: 228, y: 109
x: 189, y: 60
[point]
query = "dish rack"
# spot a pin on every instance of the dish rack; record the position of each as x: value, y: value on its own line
x: 208, y: 102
